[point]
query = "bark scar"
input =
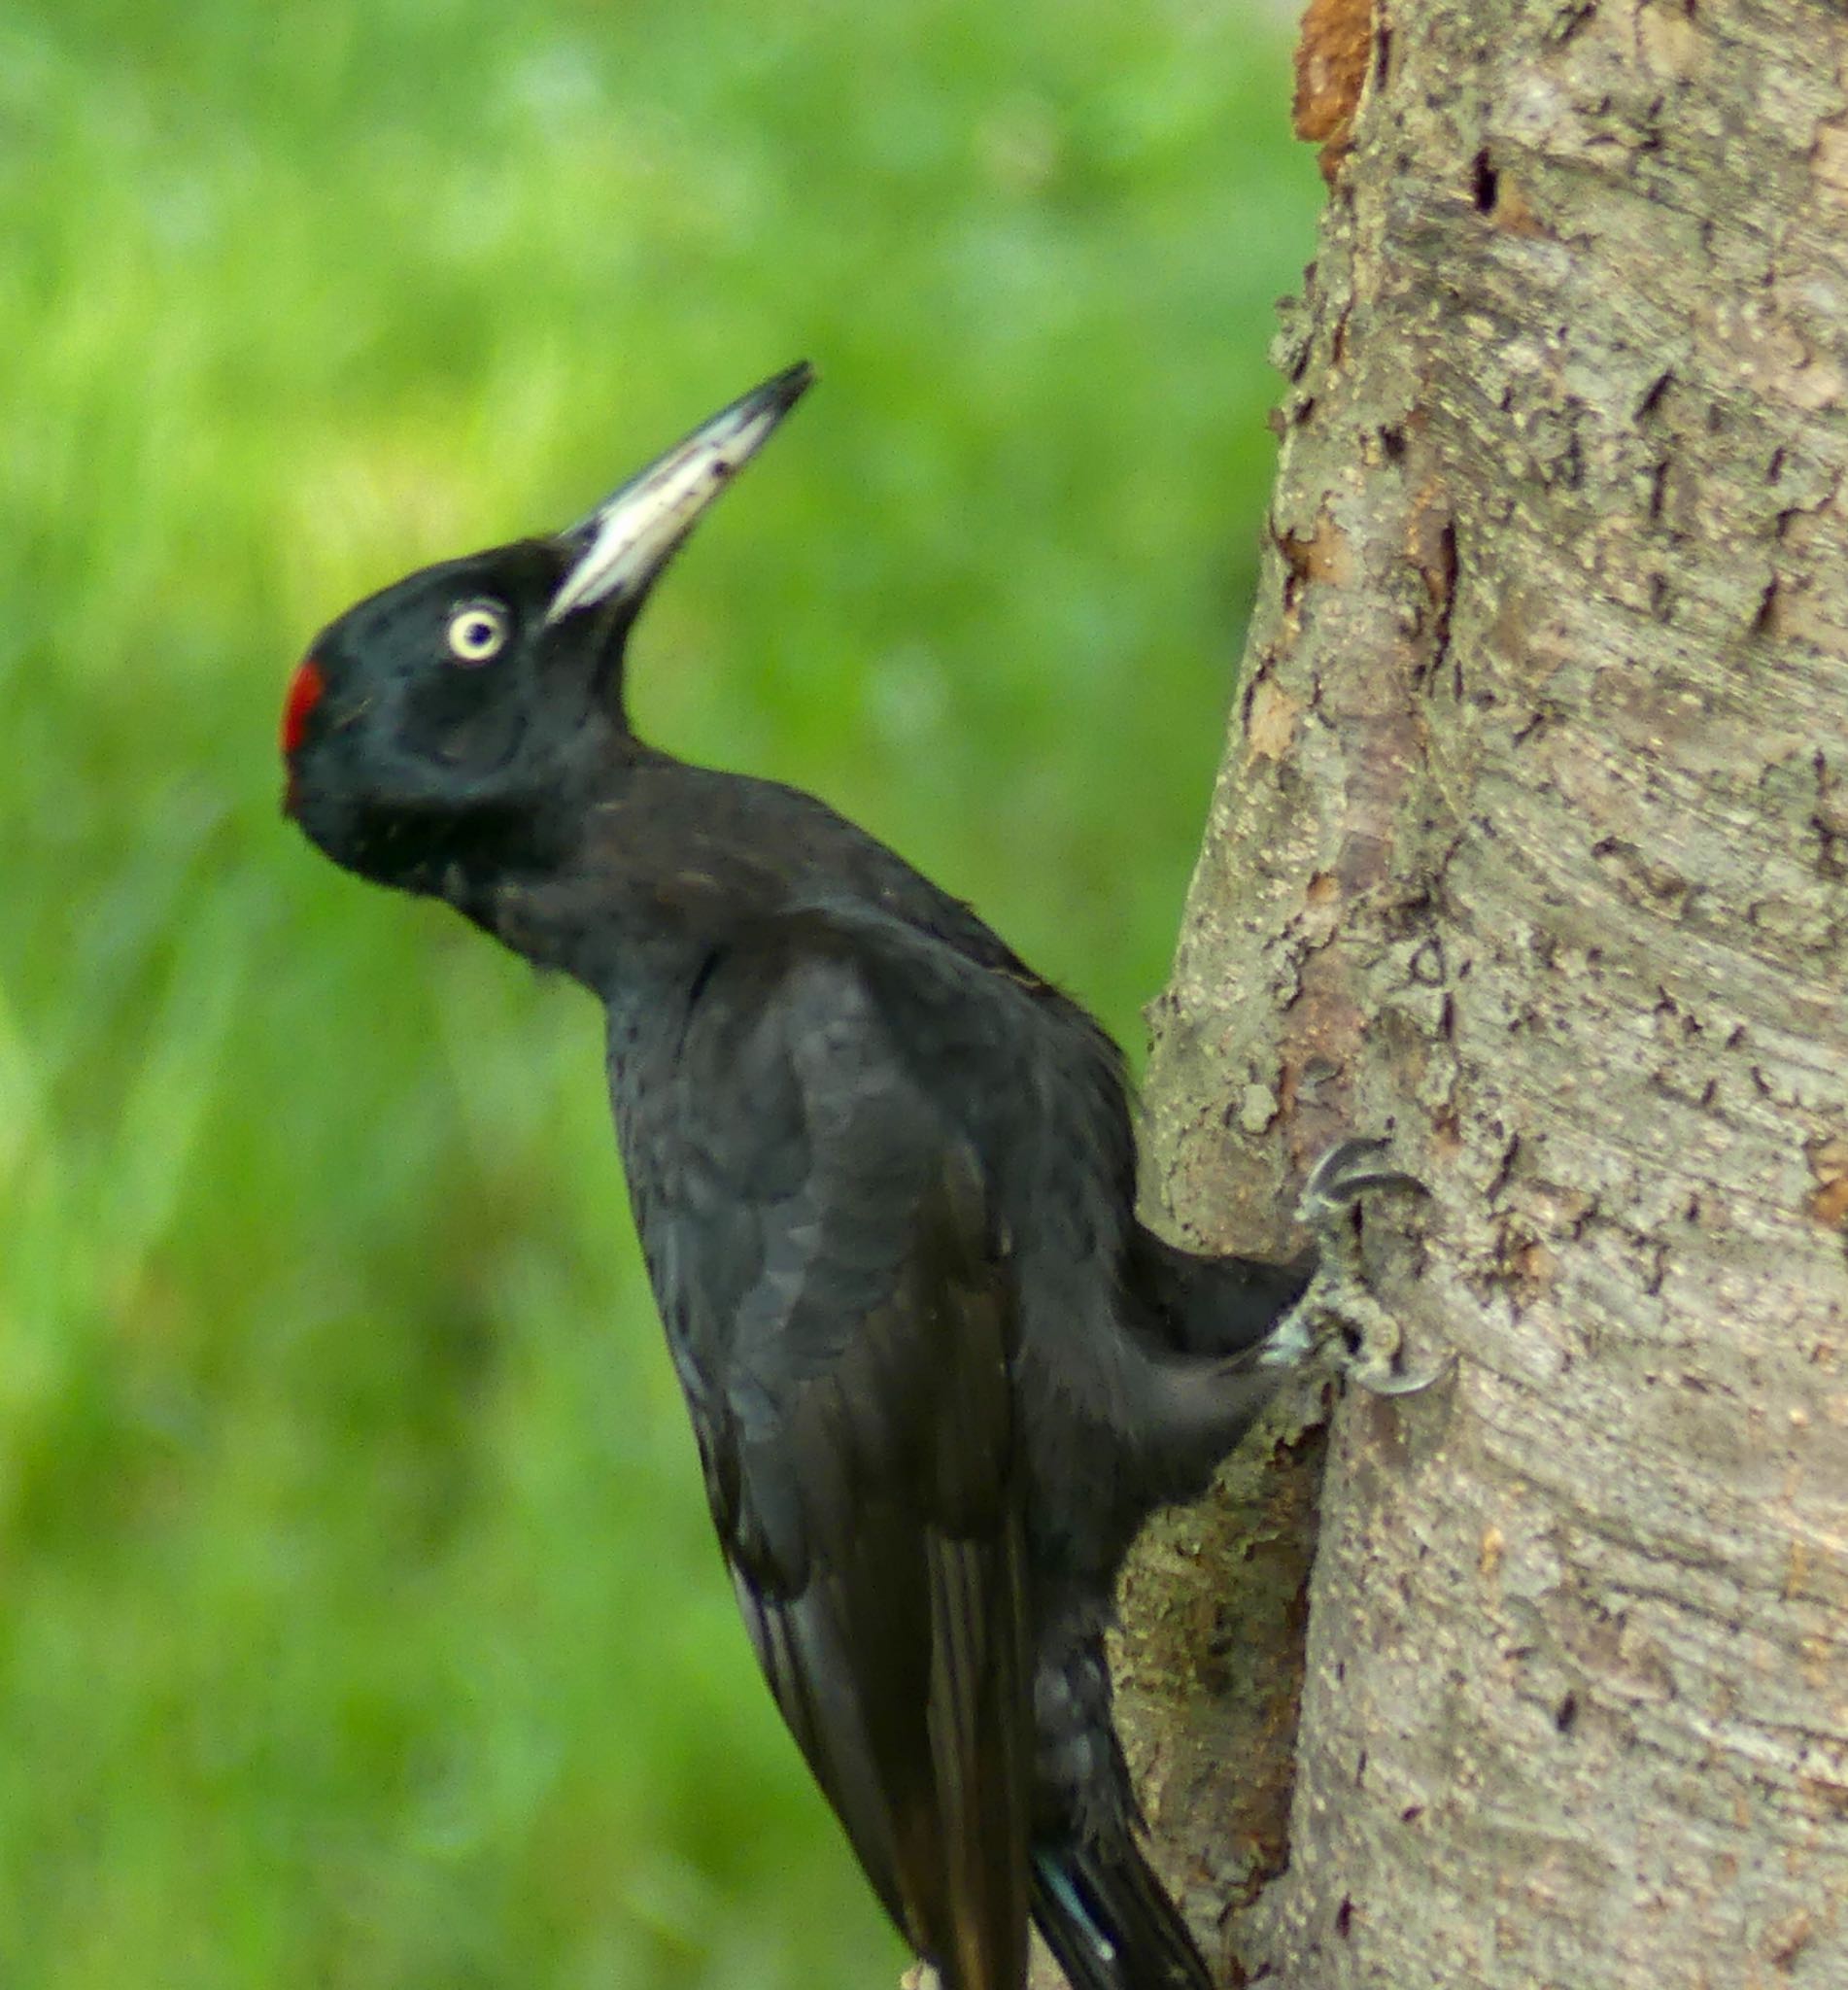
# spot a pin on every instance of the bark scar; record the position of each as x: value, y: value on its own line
x: 1432, y: 535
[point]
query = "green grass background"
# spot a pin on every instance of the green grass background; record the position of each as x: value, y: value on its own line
x: 358, y: 1621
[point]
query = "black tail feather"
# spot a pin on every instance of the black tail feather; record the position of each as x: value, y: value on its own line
x: 1108, y: 1922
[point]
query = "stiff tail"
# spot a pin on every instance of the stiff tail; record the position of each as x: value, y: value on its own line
x: 1108, y: 1923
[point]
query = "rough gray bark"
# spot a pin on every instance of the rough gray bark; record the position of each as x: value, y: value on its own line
x: 1530, y: 848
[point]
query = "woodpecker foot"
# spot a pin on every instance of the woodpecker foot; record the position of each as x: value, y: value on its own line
x: 1339, y: 1304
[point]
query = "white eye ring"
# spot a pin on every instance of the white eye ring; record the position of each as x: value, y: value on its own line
x: 477, y: 632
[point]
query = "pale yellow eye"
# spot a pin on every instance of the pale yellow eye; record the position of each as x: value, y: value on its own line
x: 477, y: 632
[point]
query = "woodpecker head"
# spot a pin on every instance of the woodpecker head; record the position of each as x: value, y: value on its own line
x: 466, y: 709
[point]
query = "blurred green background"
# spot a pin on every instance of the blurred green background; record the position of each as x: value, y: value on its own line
x: 358, y: 1621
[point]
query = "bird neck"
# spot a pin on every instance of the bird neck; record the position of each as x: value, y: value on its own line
x: 663, y: 861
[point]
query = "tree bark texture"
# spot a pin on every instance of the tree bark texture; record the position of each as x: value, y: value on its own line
x: 1531, y: 849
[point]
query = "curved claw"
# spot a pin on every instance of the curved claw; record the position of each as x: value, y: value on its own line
x: 1347, y: 1171
x: 1388, y: 1381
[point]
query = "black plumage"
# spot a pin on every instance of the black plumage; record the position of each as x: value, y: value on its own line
x: 884, y: 1177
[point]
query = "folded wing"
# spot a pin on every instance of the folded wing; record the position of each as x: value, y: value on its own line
x: 841, y: 1307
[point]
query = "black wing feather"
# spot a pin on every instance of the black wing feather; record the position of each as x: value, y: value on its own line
x: 844, y: 1316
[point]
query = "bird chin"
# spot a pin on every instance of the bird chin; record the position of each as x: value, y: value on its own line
x: 337, y: 832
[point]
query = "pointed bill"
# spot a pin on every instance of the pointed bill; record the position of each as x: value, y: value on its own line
x: 630, y: 537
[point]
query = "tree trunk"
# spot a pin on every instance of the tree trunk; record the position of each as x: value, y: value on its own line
x: 1529, y: 849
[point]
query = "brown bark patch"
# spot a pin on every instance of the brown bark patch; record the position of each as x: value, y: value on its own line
x: 1321, y: 556
x: 1332, y: 52
x: 1829, y: 1163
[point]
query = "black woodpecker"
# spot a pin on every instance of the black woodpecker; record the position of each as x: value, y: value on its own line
x: 886, y: 1181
